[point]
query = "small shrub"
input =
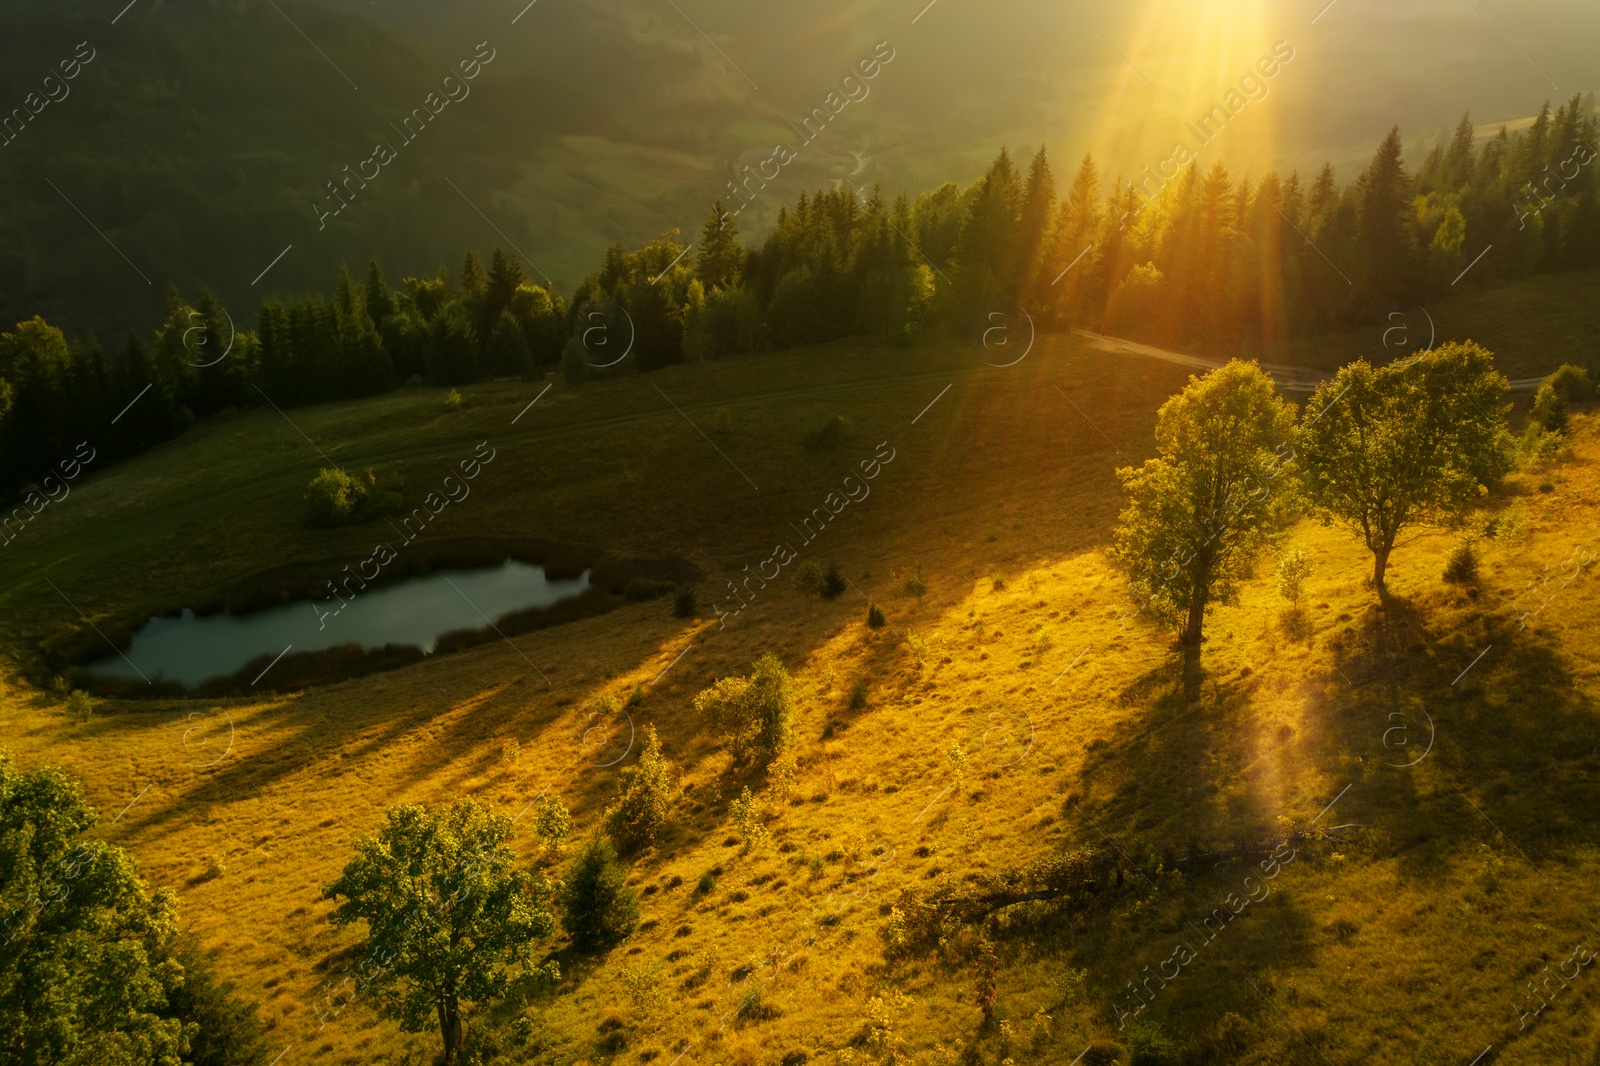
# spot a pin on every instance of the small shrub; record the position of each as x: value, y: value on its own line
x: 598, y: 907
x: 335, y: 497
x: 894, y: 933
x: 1510, y: 526
x: 754, y: 714
x: 1462, y: 566
x: 858, y: 694
x: 1547, y: 486
x: 833, y: 583
x: 958, y: 762
x: 645, y: 588
x: 781, y: 773
x: 1571, y: 383
x: 826, y: 437
x: 1537, y: 448
x: 1490, y: 867
x: 810, y: 579
x: 707, y: 882
x: 685, y: 601
x: 746, y: 816
x: 644, y: 797
x: 551, y: 822
x: 1149, y: 1045
x: 750, y: 1004
x: 882, y: 1024
x: 332, y: 497
x: 213, y: 867
x: 452, y: 400
x: 643, y: 984
x: 1070, y: 984
x: 915, y: 585
x: 1550, y: 409
x: 875, y: 618
x: 80, y: 704
x: 547, y: 977
x: 1293, y: 570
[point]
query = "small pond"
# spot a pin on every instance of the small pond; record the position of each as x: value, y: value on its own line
x: 416, y: 611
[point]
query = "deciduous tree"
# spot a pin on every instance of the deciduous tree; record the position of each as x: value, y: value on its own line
x: 446, y: 913
x: 1388, y: 448
x: 1206, y: 505
x: 85, y: 965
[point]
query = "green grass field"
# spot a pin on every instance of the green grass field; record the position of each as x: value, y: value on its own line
x: 1411, y: 942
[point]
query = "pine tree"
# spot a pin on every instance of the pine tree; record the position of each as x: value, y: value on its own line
x: 1458, y: 159
x: 474, y: 282
x: 718, y: 262
x: 987, y: 236
x: 1033, y: 233
x: 380, y: 298
x: 1388, y: 236
x: 505, y: 276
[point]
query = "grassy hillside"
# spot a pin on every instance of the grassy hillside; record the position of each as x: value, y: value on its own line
x: 1409, y: 943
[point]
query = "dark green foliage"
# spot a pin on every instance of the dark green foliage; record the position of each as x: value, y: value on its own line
x: 1550, y: 409
x: 1571, y: 383
x: 446, y: 914
x: 684, y: 601
x: 1386, y: 448
x: 875, y: 618
x: 92, y: 967
x: 833, y: 583
x: 598, y: 907
x: 1226, y: 263
x: 644, y: 795
x: 227, y: 1033
x: 335, y: 497
x: 719, y: 258
x: 755, y: 714
x: 707, y: 882
x: 1149, y: 1045
x: 1461, y: 568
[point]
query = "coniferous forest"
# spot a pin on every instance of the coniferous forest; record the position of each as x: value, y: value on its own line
x: 1206, y: 258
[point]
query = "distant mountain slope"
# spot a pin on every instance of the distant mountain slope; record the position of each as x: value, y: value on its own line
x: 200, y: 137
x: 204, y: 131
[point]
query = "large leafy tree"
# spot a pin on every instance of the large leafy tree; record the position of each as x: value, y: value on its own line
x: 447, y: 915
x: 85, y: 969
x: 1391, y: 447
x: 1201, y: 511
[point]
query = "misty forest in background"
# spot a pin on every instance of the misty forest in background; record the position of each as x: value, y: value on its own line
x: 1198, y: 259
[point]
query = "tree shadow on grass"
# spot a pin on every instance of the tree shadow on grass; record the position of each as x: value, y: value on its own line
x: 1451, y: 729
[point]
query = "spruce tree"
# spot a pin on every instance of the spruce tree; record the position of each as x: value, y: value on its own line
x: 718, y: 260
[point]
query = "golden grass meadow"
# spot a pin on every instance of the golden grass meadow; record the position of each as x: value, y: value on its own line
x: 1079, y: 722
x: 871, y: 533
